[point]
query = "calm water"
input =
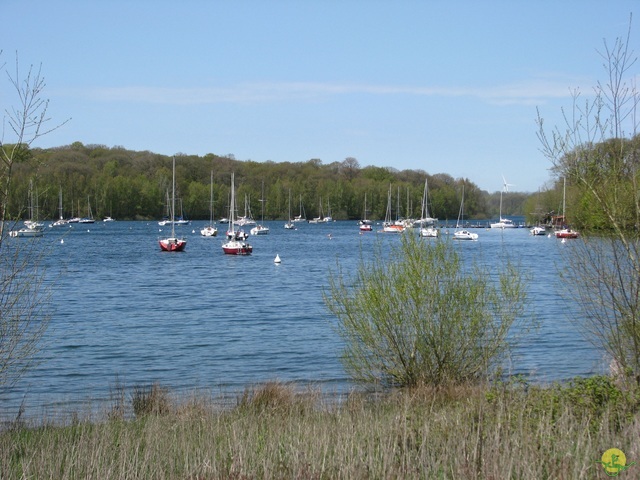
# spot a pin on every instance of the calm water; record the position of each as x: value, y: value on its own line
x: 125, y: 311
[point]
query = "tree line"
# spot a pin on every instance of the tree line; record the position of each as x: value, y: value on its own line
x: 133, y: 185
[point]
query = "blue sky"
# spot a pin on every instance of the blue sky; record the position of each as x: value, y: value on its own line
x: 442, y: 86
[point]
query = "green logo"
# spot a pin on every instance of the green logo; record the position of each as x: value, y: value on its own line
x: 614, y: 461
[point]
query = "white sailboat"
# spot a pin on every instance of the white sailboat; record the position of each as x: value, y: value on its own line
x: 247, y: 218
x: 461, y: 233
x: 61, y: 221
x: 503, y: 222
x: 173, y: 243
x: 32, y: 227
x: 389, y: 226
x: 427, y: 223
x: 210, y: 230
x: 89, y: 218
x: 235, y: 245
x: 366, y: 225
x: 290, y: 225
x: 320, y: 217
x: 261, y: 229
x: 302, y: 217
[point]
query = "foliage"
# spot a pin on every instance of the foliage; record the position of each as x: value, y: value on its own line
x: 598, y: 153
x: 420, y: 316
x: 453, y: 432
x: 150, y: 400
x: 132, y: 185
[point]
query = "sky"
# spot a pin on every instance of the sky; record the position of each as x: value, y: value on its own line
x: 442, y: 86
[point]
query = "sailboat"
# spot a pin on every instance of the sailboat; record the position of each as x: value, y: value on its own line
x: 181, y: 220
x: 234, y: 246
x: 427, y: 227
x: 32, y: 227
x: 461, y: 233
x: 302, y: 217
x: 389, y: 226
x: 320, y: 218
x: 173, y: 243
x: 89, y: 218
x: 365, y: 224
x: 247, y: 218
x: 61, y: 221
x: 260, y: 229
x: 565, y: 232
x: 290, y: 225
x: 210, y: 230
x: 503, y: 222
x: 328, y: 218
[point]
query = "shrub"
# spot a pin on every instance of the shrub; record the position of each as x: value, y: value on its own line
x: 423, y: 316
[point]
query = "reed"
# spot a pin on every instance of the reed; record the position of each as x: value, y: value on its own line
x: 278, y: 431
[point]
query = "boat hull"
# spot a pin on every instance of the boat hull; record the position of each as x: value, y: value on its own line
x: 260, y: 230
x: 393, y: 229
x: 237, y: 248
x: 566, y: 233
x: 26, y: 232
x: 429, y: 232
x: 172, y: 244
x: 209, y: 232
x: 465, y: 235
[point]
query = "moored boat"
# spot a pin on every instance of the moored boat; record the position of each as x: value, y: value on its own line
x: 234, y: 246
x: 173, y: 243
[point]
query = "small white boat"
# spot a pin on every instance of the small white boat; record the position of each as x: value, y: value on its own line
x: 503, y: 222
x: 388, y: 226
x: 234, y: 246
x: 89, y: 218
x: 429, y: 231
x: 210, y: 230
x: 259, y: 230
x: 32, y: 227
x: 465, y: 235
x: 366, y: 225
x: 537, y: 230
x: 27, y: 232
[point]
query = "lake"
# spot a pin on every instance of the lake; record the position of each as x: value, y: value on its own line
x: 125, y: 312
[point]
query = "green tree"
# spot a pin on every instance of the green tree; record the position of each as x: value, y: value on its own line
x: 597, y: 152
x: 424, y: 317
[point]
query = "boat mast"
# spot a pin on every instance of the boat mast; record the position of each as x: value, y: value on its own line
x: 173, y: 200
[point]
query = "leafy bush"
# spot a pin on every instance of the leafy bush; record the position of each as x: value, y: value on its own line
x: 423, y: 317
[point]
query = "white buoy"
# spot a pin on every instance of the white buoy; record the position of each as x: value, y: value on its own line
x: 62, y: 240
x: 277, y: 259
x: 563, y: 241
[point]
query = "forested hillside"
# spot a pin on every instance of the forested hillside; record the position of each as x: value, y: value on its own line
x: 132, y: 185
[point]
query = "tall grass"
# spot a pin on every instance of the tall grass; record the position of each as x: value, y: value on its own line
x: 275, y: 431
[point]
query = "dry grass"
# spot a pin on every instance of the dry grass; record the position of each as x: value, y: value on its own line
x: 275, y: 431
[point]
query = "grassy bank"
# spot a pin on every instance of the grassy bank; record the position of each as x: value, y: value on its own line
x: 275, y: 431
